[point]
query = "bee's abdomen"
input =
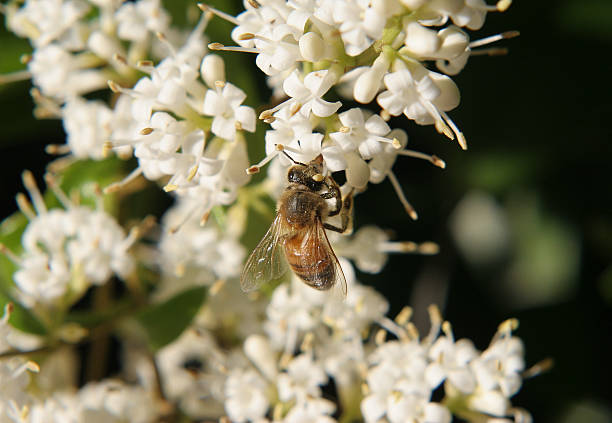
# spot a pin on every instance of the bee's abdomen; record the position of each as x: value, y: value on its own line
x: 311, y: 262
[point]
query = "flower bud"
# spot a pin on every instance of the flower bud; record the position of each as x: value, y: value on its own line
x: 258, y: 350
x: 104, y: 46
x: 421, y: 41
x: 312, y: 46
x: 212, y: 69
x: 368, y: 83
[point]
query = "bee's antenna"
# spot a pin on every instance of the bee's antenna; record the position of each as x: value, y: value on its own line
x: 282, y: 150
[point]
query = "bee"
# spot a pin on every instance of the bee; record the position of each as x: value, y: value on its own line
x: 297, y: 235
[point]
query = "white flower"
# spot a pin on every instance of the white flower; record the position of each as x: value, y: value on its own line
x: 359, y: 23
x: 194, y: 253
x: 420, y: 100
x: 357, y: 133
x: 60, y: 74
x: 88, y: 125
x: 306, y: 95
x: 45, y: 21
x: 66, y: 250
x: 191, y: 371
x: 313, y: 410
x: 137, y: 20
x: 398, y: 388
x: 117, y: 402
x: 450, y: 360
x: 302, y: 379
x: 246, y: 399
x: 500, y: 366
x: 278, y: 49
x: 225, y: 105
x: 287, y: 129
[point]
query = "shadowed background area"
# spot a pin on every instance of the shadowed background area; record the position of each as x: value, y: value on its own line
x: 523, y: 218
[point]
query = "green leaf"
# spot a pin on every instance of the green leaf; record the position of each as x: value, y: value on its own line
x: 165, y: 322
x: 21, y: 317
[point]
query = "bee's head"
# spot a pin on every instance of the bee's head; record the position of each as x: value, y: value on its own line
x: 310, y: 175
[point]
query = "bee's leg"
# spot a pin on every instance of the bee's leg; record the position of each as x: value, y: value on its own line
x: 346, y: 215
x: 333, y: 191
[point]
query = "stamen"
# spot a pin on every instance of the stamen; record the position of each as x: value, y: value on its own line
x: 392, y: 327
x: 400, y: 193
x: 404, y: 316
x: 120, y: 59
x: 503, y: 5
x: 428, y: 247
x: 57, y: 149
x: 435, y: 160
x: 493, y: 51
x: 460, y: 137
x: 380, y: 337
x: 217, y: 287
x: 493, y: 38
x: 539, y: 368
x: 15, y: 76
x: 114, y: 187
x: 448, y: 331
x: 59, y: 194
x: 24, y: 206
x: 254, y: 4
x: 205, y: 217
x: 221, y: 47
x: 11, y: 256
x: 146, y: 131
x: 170, y: 187
x: 37, y: 199
x: 164, y: 40
x: 436, y: 321
x: 206, y: 9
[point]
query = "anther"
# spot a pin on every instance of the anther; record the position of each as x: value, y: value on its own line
x: 403, y: 316
x: 114, y: 87
x: 219, y: 84
x: 429, y: 248
x: 145, y: 64
x: 266, y: 114
x: 246, y: 36
x: 119, y: 58
x: 24, y: 59
x: 217, y: 287
x: 345, y: 129
x: 170, y: 187
x: 254, y: 4
x: 192, y: 173
x: 396, y: 144
x: 146, y: 131
x: 253, y: 170
x: 215, y: 46
x: 503, y: 5
x: 269, y: 120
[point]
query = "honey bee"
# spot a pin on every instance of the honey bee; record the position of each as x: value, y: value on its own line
x: 297, y: 235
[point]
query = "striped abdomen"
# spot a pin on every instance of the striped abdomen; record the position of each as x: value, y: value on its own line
x: 311, y: 258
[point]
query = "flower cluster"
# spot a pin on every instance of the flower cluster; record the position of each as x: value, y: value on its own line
x: 368, y: 50
x: 193, y: 346
x: 67, y: 250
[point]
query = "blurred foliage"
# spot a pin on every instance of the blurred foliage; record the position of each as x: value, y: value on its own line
x: 165, y: 322
x: 535, y: 123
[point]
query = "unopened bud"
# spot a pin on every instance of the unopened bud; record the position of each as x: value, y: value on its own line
x: 212, y: 69
x: 312, y: 46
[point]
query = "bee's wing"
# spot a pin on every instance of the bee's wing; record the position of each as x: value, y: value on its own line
x: 317, y: 247
x: 267, y: 261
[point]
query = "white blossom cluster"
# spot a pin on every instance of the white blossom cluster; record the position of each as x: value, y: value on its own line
x: 310, y: 338
x: 65, y: 251
x: 183, y: 121
x: 288, y: 353
x: 370, y: 50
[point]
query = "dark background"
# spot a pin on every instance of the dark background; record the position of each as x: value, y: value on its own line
x: 538, y: 128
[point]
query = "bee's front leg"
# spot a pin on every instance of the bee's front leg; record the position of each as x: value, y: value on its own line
x: 346, y: 214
